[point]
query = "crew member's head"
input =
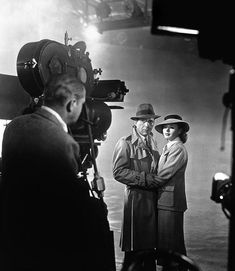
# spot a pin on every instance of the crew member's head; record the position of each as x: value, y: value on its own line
x: 66, y: 95
x: 144, y: 119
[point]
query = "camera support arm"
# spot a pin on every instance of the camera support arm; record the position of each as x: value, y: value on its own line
x: 98, y: 184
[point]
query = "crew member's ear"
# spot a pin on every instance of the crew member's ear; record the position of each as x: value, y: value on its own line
x: 69, y: 106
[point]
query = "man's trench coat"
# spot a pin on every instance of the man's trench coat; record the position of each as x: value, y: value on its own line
x: 131, y: 162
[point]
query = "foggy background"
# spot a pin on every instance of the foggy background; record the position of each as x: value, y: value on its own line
x: 164, y: 71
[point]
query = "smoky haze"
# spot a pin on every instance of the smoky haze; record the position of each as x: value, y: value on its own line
x: 23, y: 21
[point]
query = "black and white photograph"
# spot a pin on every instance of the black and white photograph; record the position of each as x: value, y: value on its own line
x: 116, y: 135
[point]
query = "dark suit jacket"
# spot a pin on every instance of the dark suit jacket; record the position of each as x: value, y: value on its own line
x: 46, y: 209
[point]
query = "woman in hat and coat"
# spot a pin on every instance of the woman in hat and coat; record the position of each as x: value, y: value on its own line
x: 134, y: 157
x: 172, y: 197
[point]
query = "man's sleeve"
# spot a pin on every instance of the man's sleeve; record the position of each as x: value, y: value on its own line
x: 122, y: 171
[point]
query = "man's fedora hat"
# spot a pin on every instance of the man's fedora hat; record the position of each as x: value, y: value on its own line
x: 171, y: 119
x: 145, y: 111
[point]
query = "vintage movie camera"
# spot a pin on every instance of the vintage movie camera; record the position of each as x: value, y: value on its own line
x: 37, y: 61
x: 221, y: 192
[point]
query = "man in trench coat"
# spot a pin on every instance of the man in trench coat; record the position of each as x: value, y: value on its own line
x: 135, y: 156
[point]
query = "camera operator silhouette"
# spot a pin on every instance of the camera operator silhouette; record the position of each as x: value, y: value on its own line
x: 48, y: 218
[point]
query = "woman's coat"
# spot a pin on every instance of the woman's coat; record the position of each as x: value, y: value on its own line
x: 172, y: 199
x: 171, y: 169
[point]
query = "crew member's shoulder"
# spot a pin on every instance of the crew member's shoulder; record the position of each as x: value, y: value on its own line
x: 16, y: 120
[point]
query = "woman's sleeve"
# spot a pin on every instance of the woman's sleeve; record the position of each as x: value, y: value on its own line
x: 174, y: 161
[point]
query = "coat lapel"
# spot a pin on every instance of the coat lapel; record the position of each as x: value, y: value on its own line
x: 140, y: 150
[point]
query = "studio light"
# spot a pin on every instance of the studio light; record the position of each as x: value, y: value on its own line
x: 91, y: 33
x: 178, y: 30
x: 198, y: 19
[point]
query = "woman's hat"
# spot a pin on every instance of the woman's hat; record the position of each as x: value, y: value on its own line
x: 145, y: 111
x: 170, y: 119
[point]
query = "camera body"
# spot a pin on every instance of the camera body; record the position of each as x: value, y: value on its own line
x: 37, y: 61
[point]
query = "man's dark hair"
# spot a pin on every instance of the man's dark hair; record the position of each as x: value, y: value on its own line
x: 61, y: 87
